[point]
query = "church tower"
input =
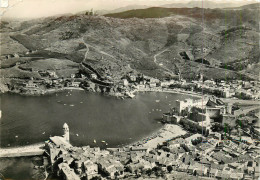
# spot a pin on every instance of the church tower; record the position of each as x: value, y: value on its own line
x: 66, y: 132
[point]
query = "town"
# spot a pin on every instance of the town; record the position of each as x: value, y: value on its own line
x: 213, y: 137
x: 221, y: 141
x: 183, y: 79
x: 91, y: 80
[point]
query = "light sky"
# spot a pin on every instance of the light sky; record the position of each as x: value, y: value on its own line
x: 44, y: 8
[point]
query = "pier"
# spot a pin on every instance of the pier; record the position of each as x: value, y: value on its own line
x: 32, y: 150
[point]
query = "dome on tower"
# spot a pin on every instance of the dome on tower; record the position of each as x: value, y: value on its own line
x: 65, y: 126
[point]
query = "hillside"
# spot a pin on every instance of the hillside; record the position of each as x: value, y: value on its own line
x: 221, y: 44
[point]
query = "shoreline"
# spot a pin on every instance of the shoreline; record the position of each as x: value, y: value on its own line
x: 51, y: 91
x: 143, y: 140
x: 166, y: 132
x: 172, y: 91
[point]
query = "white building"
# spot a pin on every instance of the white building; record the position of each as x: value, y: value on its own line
x: 66, y: 132
x: 125, y: 82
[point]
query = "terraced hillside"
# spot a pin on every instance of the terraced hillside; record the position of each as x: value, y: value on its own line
x: 159, y: 42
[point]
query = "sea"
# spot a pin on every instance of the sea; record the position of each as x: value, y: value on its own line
x: 94, y: 119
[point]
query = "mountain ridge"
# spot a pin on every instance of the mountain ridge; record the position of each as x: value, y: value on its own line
x: 221, y: 47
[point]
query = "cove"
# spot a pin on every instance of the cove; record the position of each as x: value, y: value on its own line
x: 33, y: 119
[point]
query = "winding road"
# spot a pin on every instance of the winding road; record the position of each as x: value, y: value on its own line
x: 155, y: 61
x: 86, y: 53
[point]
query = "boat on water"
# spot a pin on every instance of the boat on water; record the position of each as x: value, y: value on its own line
x: 103, y: 141
x: 72, y: 105
x: 95, y: 141
x: 131, y: 95
x: 157, y: 101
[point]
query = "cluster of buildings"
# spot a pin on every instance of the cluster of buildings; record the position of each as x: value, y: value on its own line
x: 196, y: 156
x: 49, y: 81
x: 90, y: 79
x: 202, y: 111
x: 227, y: 89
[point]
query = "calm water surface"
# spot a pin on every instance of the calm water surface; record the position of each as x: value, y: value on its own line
x: 28, y: 120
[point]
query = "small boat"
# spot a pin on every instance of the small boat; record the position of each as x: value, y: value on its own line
x: 16, y: 136
x: 43, y: 133
x: 81, y: 102
x: 58, y: 101
x: 106, y: 144
x: 77, y: 134
x: 65, y: 104
x: 157, y: 101
x: 103, y: 141
x: 95, y: 141
x: 72, y: 105
x: 67, y: 95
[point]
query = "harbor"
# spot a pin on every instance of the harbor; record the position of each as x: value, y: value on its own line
x: 98, y: 117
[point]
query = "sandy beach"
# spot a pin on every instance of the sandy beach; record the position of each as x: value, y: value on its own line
x: 171, y: 91
x: 165, y: 133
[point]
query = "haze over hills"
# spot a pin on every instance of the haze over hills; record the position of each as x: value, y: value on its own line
x: 205, y: 4
x: 189, y: 4
x: 158, y: 42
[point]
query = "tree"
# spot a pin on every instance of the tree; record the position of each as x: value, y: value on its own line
x: 96, y: 178
x: 116, y: 174
x: 149, y: 172
x: 169, y: 169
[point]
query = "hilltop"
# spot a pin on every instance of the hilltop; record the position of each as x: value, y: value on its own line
x: 158, y: 42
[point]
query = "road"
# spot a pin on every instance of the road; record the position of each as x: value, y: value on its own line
x: 86, y: 53
x: 155, y: 61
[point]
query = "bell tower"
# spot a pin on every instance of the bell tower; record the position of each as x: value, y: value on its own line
x: 66, y: 132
